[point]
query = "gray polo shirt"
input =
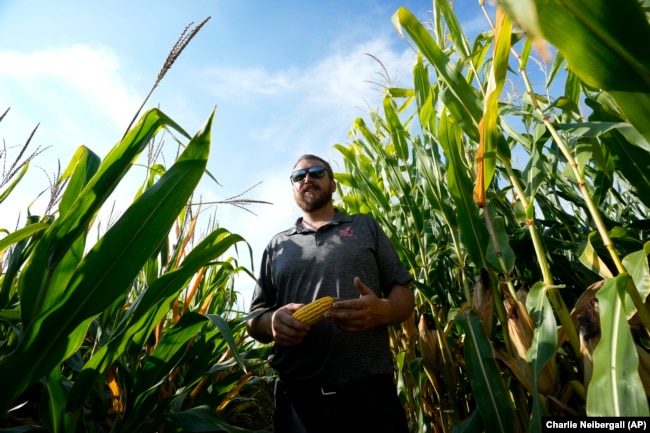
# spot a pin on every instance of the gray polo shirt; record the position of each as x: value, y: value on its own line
x: 301, y: 265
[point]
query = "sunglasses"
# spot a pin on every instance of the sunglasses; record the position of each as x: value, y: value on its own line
x: 299, y: 175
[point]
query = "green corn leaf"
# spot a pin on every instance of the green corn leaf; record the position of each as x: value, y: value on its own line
x: 628, y: 150
x: 454, y: 28
x: 535, y: 171
x: 60, y: 421
x: 56, y: 242
x: 600, y: 41
x: 149, y: 309
x: 636, y: 264
x: 615, y: 388
x: 82, y: 167
x: 472, y: 424
x: 397, y: 132
x: 201, y: 419
x: 490, y: 392
x: 21, y: 234
x: 22, y: 242
x: 432, y: 184
x: 633, y: 163
x: 556, y: 67
x: 590, y: 259
x: 424, y: 97
x: 458, y: 95
x: 109, y: 267
x: 370, y: 189
x: 474, y: 233
x: 499, y: 253
x: 168, y: 354
x: 19, y: 176
x: 543, y: 346
x: 226, y: 333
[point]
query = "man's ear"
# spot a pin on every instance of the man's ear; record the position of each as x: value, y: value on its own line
x: 333, y: 185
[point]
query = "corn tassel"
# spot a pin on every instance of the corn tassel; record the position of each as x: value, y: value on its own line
x: 314, y: 311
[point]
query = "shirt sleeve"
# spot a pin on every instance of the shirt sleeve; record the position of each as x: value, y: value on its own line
x: 265, y: 294
x: 389, y: 264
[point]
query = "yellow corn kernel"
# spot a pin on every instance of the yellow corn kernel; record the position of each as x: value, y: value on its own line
x: 314, y: 311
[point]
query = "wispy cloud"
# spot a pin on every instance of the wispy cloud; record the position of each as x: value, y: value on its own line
x: 302, y: 108
x: 340, y: 78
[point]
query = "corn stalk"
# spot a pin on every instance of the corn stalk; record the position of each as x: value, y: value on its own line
x: 530, y: 244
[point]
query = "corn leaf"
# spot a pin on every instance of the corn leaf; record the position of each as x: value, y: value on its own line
x: 4, y: 194
x: 615, y: 388
x: 425, y: 99
x: 168, y: 354
x: 486, y: 154
x: 20, y: 241
x: 59, y: 419
x: 149, y: 309
x: 600, y: 41
x: 454, y: 28
x: 201, y: 419
x: 21, y: 234
x: 56, y: 242
x: 432, y: 185
x: 397, y: 132
x: 110, y: 266
x: 226, y: 333
x: 590, y: 259
x: 491, y: 394
x: 82, y: 167
x: 499, y: 253
x: 543, y: 346
x: 636, y: 264
x: 460, y: 98
x: 475, y: 237
x: 370, y: 189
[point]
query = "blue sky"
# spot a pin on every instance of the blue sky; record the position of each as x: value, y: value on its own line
x: 287, y: 78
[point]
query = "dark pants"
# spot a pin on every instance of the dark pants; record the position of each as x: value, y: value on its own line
x: 369, y: 406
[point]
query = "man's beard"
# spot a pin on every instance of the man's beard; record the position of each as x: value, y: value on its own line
x: 310, y: 198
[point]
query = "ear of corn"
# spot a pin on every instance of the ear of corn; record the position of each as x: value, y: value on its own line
x: 314, y: 311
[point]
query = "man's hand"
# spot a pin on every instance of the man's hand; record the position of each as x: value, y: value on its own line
x: 366, y: 312
x: 286, y: 330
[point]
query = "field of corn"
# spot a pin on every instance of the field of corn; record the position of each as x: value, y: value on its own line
x: 521, y: 208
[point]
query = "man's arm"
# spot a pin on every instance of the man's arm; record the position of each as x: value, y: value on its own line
x: 279, y: 326
x: 259, y: 327
x: 402, y: 304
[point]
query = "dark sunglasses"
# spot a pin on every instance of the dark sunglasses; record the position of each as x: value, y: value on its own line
x: 299, y: 175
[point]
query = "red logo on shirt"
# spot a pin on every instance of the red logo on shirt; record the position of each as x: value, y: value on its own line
x: 346, y: 233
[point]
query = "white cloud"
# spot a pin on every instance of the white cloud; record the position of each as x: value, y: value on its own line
x: 345, y: 79
x: 340, y: 79
x: 78, y: 96
x: 245, y: 83
x: 71, y: 79
x: 310, y: 108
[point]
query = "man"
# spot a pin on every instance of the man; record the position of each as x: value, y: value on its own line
x: 337, y: 375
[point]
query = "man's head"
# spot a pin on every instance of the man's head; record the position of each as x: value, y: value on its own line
x: 313, y: 183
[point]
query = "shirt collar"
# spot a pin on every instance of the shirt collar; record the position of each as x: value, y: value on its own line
x: 339, y: 217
